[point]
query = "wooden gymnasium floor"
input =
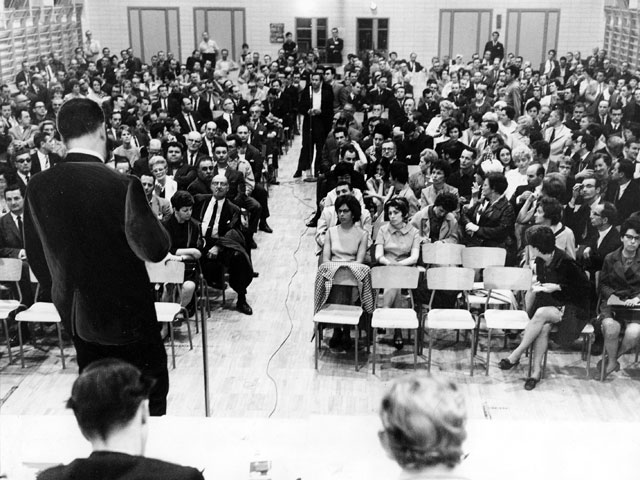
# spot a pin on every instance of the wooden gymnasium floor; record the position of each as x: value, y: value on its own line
x: 244, y: 375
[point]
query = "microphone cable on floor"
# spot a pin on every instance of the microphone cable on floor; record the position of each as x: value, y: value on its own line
x: 286, y: 304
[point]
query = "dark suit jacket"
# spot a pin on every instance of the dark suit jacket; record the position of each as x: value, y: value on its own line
x: 120, y: 466
x: 628, y: 203
x: 229, y: 218
x: 88, y: 230
x: 35, y: 162
x: 497, y: 50
x: 520, y: 189
x: 184, y: 125
x: 173, y: 105
x: 385, y: 97
x: 496, y: 225
x: 323, y: 120
x: 10, y: 238
x: 579, y: 223
x: 610, y: 243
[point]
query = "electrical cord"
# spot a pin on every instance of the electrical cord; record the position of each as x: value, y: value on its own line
x: 286, y: 304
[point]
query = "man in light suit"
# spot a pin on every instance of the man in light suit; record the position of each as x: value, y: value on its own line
x: 160, y: 207
x: 110, y: 401
x: 557, y: 134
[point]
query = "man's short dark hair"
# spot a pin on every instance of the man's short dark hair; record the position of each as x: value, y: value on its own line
x: 399, y: 171
x: 341, y: 130
x: 513, y: 70
x: 492, y: 126
x: 78, y: 117
x: 542, y: 238
x: 181, y: 199
x: 39, y: 138
x: 497, y: 182
x: 448, y: 201
x: 352, y: 204
x: 627, y: 168
x: 610, y: 212
x: 542, y: 148
x: 107, y: 395
x: 509, y: 111
x: 12, y: 188
x: 175, y: 145
x: 234, y: 137
x: 220, y: 144
x: 588, y: 141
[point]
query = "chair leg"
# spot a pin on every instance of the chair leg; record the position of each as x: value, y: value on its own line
x: 6, y: 334
x: 544, y: 364
x: 488, y: 350
x: 317, y: 346
x: 530, y: 361
x: 473, y: 352
x: 373, y: 359
x: 189, y: 331
x: 357, y: 334
x: 415, y: 351
x: 589, y: 339
x: 430, y: 348
x: 21, y: 346
x: 173, y: 348
x: 60, y: 343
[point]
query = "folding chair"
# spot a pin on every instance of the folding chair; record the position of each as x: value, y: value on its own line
x: 442, y: 253
x: 167, y: 312
x: 336, y: 314
x: 627, y: 310
x: 509, y: 279
x: 40, y: 312
x: 406, y: 318
x: 452, y: 279
x: 10, y: 271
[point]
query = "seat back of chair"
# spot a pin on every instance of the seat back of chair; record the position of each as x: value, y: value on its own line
x: 442, y: 253
x: 507, y: 278
x: 394, y: 276
x: 450, y: 278
x: 483, y: 257
x: 344, y: 277
x: 10, y: 270
x: 166, y: 272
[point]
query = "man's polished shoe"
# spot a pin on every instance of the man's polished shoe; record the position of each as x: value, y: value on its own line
x: 256, y: 274
x: 310, y: 179
x: 298, y: 174
x: 243, y: 307
x: 264, y: 227
x: 253, y: 245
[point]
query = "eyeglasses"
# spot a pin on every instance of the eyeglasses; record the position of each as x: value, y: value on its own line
x: 23, y: 160
x: 632, y: 238
x: 219, y: 184
x: 207, y: 169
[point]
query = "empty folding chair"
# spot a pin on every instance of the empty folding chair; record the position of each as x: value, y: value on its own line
x: 167, y: 312
x: 404, y: 318
x: 40, y: 312
x: 10, y: 272
x: 449, y: 279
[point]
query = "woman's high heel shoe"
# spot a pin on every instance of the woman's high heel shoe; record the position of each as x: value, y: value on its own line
x: 505, y: 364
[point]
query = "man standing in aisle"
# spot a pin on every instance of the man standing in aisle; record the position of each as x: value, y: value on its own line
x: 89, y: 246
x: 334, y: 48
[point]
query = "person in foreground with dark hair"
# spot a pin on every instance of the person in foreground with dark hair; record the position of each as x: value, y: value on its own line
x: 424, y: 425
x: 110, y: 401
x: 561, y: 300
x: 88, y: 231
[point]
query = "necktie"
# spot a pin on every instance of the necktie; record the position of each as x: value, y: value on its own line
x: 46, y: 162
x: 213, y: 220
x: 191, y: 124
x: 553, y: 135
x: 27, y: 176
x: 20, y: 228
x: 164, y: 104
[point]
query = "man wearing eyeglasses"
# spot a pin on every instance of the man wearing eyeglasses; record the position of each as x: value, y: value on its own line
x: 22, y: 163
x: 224, y: 241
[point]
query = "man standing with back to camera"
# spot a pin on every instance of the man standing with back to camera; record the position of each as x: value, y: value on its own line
x: 88, y: 231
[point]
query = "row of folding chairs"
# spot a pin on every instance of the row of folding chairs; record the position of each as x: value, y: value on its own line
x: 454, y: 268
x: 45, y: 312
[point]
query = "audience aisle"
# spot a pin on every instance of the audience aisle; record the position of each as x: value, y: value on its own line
x: 240, y: 348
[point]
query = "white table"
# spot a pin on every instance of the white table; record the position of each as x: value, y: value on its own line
x: 322, y: 447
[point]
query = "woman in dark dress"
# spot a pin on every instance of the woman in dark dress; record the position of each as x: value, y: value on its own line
x: 561, y: 300
x: 185, y: 239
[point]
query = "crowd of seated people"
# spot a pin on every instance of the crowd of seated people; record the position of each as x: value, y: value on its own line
x: 516, y: 144
x: 494, y: 152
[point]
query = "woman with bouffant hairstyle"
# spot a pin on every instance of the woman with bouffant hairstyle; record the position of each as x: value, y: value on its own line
x: 424, y: 426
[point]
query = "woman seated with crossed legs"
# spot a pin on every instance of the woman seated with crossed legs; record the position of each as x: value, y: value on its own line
x: 561, y: 300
